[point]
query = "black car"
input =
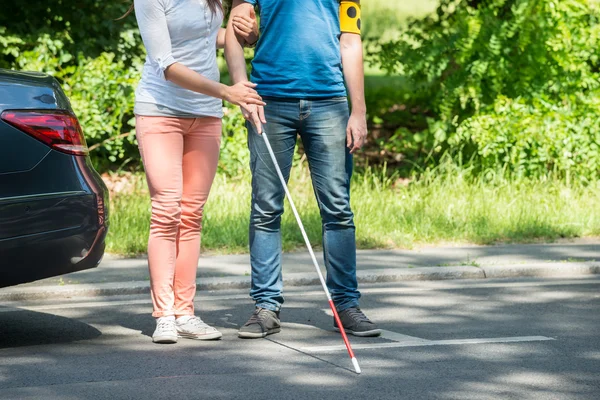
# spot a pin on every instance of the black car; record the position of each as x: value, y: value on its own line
x: 53, y: 204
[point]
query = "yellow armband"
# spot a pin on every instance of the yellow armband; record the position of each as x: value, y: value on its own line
x: 350, y: 16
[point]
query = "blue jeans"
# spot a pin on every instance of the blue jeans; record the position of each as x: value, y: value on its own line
x: 321, y: 125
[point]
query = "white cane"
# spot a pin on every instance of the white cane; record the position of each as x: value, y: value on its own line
x: 312, y: 255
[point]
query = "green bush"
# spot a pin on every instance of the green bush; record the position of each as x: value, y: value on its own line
x: 537, y: 138
x: 234, y: 159
x: 508, y: 83
x: 102, y: 94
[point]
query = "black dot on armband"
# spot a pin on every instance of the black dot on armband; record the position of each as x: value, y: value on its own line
x: 352, y: 12
x: 358, y: 23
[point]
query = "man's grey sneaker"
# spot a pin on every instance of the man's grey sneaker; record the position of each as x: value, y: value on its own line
x: 165, y: 331
x: 263, y: 322
x: 192, y: 327
x: 356, y: 323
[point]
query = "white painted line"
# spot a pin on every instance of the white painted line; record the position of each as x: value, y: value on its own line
x: 116, y: 330
x: 398, y: 337
x: 422, y: 342
x: 494, y: 340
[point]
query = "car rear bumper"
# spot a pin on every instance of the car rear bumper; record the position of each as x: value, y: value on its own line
x: 50, y: 234
x: 52, y: 252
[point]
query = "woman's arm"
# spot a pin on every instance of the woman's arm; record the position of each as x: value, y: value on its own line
x: 241, y: 94
x: 221, y: 38
x: 152, y: 21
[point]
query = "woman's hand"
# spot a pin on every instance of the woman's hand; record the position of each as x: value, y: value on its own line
x: 243, y: 94
x: 246, y: 27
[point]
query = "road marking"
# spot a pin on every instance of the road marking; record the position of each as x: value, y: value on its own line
x: 398, y: 337
x: 116, y: 330
x: 419, y: 342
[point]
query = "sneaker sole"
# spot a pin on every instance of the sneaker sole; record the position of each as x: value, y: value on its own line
x: 371, y: 333
x: 210, y: 336
x: 164, y: 339
x: 252, y: 335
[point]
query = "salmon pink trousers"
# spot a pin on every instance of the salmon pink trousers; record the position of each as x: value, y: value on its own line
x: 180, y: 157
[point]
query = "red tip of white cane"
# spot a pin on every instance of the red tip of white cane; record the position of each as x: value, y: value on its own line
x: 356, y: 366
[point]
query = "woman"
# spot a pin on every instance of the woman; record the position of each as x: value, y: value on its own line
x: 178, y: 112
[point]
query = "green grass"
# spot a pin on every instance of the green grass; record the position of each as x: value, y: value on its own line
x: 445, y: 208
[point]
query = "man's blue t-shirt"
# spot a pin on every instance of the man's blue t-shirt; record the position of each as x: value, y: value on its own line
x: 298, y: 54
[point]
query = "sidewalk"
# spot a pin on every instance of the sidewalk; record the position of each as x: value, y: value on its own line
x: 119, y: 276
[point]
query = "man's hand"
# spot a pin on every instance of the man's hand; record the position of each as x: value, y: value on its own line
x: 256, y: 115
x: 356, y: 131
x: 352, y: 61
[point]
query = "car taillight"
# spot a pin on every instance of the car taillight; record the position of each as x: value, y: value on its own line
x: 58, y: 129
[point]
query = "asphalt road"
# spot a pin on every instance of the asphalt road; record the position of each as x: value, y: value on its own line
x: 493, y: 339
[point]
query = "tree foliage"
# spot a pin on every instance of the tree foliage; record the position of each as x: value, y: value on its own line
x: 506, y: 83
x: 499, y: 84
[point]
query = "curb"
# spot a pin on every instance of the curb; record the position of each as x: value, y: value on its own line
x: 540, y: 270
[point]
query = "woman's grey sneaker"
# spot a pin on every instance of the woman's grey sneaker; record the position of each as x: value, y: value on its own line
x: 166, y: 331
x: 356, y: 323
x: 263, y: 322
x: 192, y: 327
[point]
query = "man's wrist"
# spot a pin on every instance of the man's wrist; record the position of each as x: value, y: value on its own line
x: 358, y: 105
x: 253, y: 44
x: 359, y: 111
x: 238, y: 77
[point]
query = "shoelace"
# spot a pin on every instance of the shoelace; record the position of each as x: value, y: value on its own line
x: 357, y: 315
x: 257, y: 314
x: 165, y: 326
x: 198, y: 323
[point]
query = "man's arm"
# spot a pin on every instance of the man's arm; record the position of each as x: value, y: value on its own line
x: 352, y: 61
x: 234, y: 44
x: 236, y: 62
x: 245, y: 27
